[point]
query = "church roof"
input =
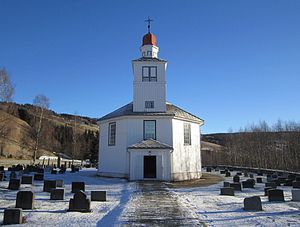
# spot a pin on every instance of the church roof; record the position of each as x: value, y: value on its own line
x: 172, y: 110
x: 150, y: 59
x: 150, y: 144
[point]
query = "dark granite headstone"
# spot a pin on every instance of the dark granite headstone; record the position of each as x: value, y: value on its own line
x: 208, y: 169
x: 49, y: 185
x: 271, y: 184
x: 14, y: 184
x: 227, y: 174
x: 227, y: 191
x: 259, y: 180
x: 236, y: 186
x: 275, y: 195
x: 247, y: 184
x: 296, y: 184
x: 98, y: 195
x: 288, y: 182
x: 53, y: 171
x: 266, y: 190
x: 251, y: 175
x: 80, y: 202
x: 12, y: 216
x: 78, y: 186
x: 296, y: 195
x: 25, y: 200
x: 27, y: 180
x: 252, y: 204
x: 57, y: 194
x: 236, y: 179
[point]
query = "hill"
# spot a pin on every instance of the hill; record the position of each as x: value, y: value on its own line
x: 18, y: 124
x: 261, y: 149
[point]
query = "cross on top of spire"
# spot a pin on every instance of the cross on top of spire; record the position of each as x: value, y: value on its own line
x: 149, y: 20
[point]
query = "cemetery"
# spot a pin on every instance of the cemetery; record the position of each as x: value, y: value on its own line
x: 81, y: 196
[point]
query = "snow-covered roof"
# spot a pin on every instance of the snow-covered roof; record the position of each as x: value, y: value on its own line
x: 150, y: 144
x: 172, y: 110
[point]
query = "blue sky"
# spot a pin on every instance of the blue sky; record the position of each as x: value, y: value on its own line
x: 231, y: 63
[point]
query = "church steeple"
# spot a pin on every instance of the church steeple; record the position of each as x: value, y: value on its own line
x: 149, y: 93
x: 149, y: 48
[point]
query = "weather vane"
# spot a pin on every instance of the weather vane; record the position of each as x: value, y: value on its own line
x: 149, y: 23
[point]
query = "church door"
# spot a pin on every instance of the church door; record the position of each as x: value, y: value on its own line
x: 149, y: 166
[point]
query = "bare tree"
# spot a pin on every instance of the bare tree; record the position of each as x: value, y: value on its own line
x: 6, y: 93
x: 42, y: 103
x: 7, y: 90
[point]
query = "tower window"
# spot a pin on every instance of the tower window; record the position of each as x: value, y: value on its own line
x: 112, y: 134
x: 150, y: 129
x: 187, y: 134
x: 149, y: 53
x: 149, y: 73
x: 149, y: 104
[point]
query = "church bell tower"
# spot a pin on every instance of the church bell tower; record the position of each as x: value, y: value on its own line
x: 149, y: 85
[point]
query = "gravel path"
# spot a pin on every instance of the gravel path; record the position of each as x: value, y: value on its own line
x: 153, y: 205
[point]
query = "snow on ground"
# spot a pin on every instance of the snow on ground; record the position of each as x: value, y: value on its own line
x: 219, y: 210
x: 125, y: 200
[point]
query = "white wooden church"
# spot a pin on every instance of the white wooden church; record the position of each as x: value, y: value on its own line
x: 149, y: 138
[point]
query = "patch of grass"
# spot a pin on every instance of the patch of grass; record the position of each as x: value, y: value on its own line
x: 206, y: 180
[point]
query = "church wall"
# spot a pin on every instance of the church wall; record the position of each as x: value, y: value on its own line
x: 113, y: 159
x: 186, y: 160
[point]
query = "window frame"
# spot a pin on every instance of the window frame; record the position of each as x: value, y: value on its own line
x: 149, y: 78
x: 144, y: 134
x: 109, y: 133
x: 150, y: 106
x: 185, y: 143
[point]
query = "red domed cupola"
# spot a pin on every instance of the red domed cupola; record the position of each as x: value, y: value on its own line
x: 149, y: 39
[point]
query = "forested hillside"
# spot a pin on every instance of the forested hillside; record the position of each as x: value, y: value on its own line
x: 276, y: 147
x: 72, y: 135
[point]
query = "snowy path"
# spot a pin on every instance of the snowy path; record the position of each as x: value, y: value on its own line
x: 152, y: 204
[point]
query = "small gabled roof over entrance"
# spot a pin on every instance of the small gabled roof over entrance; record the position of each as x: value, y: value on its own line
x: 150, y: 144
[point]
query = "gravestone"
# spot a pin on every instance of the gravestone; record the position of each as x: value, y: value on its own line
x: 27, y: 179
x: 98, y: 196
x: 297, y: 178
x: 259, y: 180
x: 239, y: 173
x: 251, y: 175
x: 236, y: 179
x: 281, y: 179
x: 227, y: 174
x: 1, y: 176
x: 227, y: 191
x: 292, y: 177
x: 78, y: 186
x: 247, y: 184
x: 80, y: 202
x: 208, y: 169
x: 13, y: 175
x: 271, y: 184
x: 266, y: 190
x: 39, y: 176
x: 12, y: 216
x: 288, y: 182
x: 246, y: 174
x: 60, y: 183
x: 222, y: 172
x: 226, y: 184
x: 296, y: 195
x: 236, y: 186
x: 260, y: 174
x: 25, y: 200
x: 57, y: 194
x: 252, y: 204
x: 53, y: 171
x: 14, y: 184
x: 49, y: 185
x: 275, y: 195
x: 296, y: 184
x: 40, y: 170
x: 1, y: 168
